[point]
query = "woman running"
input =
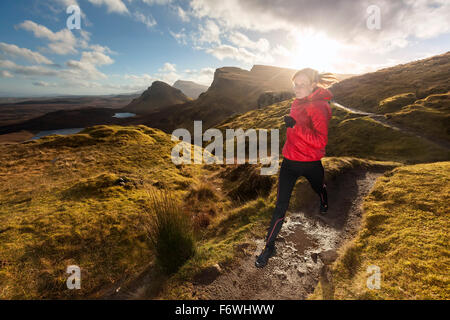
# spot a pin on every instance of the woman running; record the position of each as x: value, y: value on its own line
x: 306, y: 138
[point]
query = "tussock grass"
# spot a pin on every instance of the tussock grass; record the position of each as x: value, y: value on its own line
x: 204, y: 202
x: 170, y: 231
x: 243, y: 182
x: 202, y: 191
x: 405, y: 233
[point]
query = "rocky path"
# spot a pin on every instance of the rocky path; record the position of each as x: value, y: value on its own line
x: 306, y: 240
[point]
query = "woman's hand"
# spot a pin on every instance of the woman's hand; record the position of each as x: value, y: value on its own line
x: 290, y: 122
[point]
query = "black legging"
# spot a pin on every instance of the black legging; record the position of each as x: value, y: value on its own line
x: 289, y: 173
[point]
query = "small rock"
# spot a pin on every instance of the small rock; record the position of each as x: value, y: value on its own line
x: 328, y: 257
x: 314, y: 256
x: 280, y: 274
x: 300, y: 273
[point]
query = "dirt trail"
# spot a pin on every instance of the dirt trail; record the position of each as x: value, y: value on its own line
x: 294, y: 271
x: 382, y: 120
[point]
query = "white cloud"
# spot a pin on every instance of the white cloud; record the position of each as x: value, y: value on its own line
x: 67, y: 3
x: 342, y: 20
x: 5, y: 74
x: 83, y: 69
x: 86, y: 67
x: 168, y: 73
x: 102, y: 49
x: 208, y: 33
x: 159, y: 2
x: 168, y: 67
x: 281, y: 51
x: 62, y: 42
x: 149, y: 21
x: 240, y: 54
x: 203, y: 76
x: 144, y: 77
x: 138, y: 82
x: 96, y: 58
x: 181, y: 36
x: 116, y: 6
x: 15, y: 51
x: 27, y: 70
x: 241, y: 40
x: 182, y: 14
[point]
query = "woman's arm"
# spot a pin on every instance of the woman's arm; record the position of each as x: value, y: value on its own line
x: 317, y: 137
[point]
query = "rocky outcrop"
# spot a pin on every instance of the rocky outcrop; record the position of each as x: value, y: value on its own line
x: 157, y: 96
x: 270, y: 97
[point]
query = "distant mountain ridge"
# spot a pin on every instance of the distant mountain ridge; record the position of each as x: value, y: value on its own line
x: 233, y: 90
x: 159, y: 94
x: 190, y: 88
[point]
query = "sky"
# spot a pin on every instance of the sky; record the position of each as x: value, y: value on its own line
x: 122, y: 46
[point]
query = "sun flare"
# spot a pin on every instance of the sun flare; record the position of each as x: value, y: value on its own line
x: 314, y: 50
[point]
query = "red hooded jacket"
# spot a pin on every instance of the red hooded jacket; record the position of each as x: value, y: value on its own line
x: 306, y: 141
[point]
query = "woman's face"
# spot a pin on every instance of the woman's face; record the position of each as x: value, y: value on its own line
x: 302, y: 86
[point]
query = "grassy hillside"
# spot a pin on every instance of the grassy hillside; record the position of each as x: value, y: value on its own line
x: 349, y: 135
x: 413, y: 94
x: 79, y: 200
x: 405, y: 233
x: 431, y: 114
x: 421, y: 78
x: 83, y: 199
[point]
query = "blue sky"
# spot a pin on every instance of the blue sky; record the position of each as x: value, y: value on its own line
x: 125, y: 45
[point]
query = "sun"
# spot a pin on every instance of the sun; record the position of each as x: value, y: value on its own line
x: 314, y: 50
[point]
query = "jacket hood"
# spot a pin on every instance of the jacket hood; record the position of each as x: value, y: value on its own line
x: 319, y: 93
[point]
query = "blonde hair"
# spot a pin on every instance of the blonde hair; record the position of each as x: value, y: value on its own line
x: 324, y: 79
